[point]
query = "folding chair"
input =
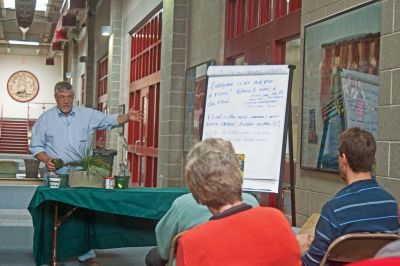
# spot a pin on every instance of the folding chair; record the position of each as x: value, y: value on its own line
x: 173, y: 249
x: 355, y: 246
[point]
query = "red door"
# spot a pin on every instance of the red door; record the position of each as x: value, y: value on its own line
x: 144, y: 144
x: 144, y: 95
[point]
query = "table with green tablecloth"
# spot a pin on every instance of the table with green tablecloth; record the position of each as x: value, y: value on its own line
x: 96, y: 218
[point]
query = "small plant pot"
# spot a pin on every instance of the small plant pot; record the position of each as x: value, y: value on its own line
x: 64, y: 180
x: 121, y: 182
x: 31, y: 168
x: 54, y: 182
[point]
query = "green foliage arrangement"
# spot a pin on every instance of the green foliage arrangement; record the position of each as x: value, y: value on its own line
x: 98, y: 171
x: 94, y: 165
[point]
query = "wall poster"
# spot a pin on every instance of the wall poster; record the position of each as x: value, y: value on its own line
x: 340, y: 82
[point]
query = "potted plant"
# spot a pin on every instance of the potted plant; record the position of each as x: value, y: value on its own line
x: 31, y: 168
x: 94, y: 169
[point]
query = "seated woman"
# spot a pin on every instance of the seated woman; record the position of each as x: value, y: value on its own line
x: 236, y: 234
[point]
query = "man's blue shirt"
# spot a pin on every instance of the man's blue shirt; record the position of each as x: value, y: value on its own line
x: 68, y: 137
x: 362, y: 206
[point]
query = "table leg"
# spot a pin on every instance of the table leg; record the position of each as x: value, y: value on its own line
x: 55, y: 228
x: 57, y: 222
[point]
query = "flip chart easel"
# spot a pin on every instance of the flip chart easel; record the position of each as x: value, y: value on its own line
x: 251, y: 107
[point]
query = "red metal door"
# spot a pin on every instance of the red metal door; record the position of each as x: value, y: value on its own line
x: 144, y: 148
x: 144, y: 95
x: 102, y: 96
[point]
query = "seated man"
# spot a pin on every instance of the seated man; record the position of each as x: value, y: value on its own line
x: 236, y: 234
x: 184, y: 214
x: 361, y: 206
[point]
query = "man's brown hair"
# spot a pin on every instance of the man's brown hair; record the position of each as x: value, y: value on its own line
x: 359, y: 147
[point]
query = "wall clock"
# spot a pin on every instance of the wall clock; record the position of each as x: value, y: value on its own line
x: 23, y: 86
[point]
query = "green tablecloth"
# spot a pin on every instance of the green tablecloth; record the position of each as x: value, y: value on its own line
x: 104, y: 219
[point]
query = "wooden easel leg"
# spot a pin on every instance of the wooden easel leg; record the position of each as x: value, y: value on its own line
x: 55, y: 228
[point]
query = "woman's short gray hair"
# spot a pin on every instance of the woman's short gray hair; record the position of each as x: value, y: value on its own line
x: 213, y: 173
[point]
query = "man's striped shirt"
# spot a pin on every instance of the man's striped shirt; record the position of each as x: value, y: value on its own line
x: 362, y: 206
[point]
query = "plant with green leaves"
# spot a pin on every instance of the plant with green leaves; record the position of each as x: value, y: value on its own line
x: 58, y: 163
x: 93, y: 164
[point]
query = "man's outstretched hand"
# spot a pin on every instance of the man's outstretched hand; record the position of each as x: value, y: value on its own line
x: 135, y: 115
x: 132, y: 115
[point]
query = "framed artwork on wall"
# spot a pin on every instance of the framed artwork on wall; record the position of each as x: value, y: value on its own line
x: 23, y: 86
x: 121, y: 110
x: 196, y: 86
x: 340, y: 82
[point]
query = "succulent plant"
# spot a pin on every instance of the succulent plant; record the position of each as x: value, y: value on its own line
x: 58, y: 163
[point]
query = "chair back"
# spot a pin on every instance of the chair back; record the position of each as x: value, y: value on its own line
x: 173, y: 249
x: 356, y: 246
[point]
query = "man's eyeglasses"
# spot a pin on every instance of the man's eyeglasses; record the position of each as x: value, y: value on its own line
x: 65, y: 98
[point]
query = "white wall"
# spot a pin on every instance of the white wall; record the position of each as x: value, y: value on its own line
x: 47, y: 76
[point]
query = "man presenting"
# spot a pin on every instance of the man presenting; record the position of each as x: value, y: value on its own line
x: 66, y: 131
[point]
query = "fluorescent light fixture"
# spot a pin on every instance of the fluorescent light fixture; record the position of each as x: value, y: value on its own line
x: 22, y: 42
x: 41, y: 5
x: 106, y: 30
